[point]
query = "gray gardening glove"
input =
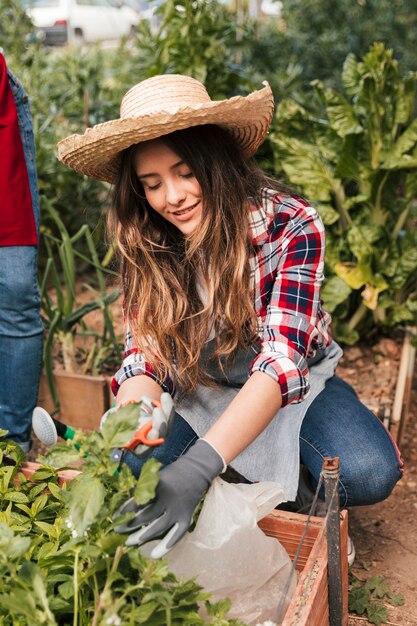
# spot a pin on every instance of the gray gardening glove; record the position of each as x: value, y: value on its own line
x: 162, y: 419
x: 181, y: 486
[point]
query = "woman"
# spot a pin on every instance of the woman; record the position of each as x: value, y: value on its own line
x: 222, y: 269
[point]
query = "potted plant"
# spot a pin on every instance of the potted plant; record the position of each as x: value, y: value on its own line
x: 74, y: 352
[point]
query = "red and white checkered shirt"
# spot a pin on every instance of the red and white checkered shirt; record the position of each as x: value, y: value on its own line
x: 287, y: 273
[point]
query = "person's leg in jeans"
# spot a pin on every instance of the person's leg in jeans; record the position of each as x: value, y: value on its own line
x: 179, y: 439
x: 338, y: 424
x: 21, y: 341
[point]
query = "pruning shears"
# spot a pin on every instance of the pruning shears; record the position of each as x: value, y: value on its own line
x: 141, y: 435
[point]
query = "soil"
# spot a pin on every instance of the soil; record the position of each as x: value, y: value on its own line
x: 385, y: 534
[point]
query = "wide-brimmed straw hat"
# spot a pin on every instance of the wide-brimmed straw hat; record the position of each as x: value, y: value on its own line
x: 159, y: 106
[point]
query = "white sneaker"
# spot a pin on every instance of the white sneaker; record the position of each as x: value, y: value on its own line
x: 351, y: 553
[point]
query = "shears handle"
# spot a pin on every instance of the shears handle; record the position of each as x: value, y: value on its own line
x: 141, y: 435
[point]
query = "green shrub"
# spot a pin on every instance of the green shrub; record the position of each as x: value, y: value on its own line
x: 358, y: 164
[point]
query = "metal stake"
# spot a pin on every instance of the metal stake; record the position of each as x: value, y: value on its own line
x: 331, y: 474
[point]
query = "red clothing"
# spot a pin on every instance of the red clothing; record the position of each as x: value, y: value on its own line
x: 17, y: 223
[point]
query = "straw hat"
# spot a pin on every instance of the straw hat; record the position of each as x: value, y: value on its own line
x: 158, y: 106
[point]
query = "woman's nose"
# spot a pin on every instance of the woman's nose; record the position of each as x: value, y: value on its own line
x: 175, y: 193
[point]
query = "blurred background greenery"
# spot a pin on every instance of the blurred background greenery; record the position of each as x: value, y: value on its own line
x: 344, y: 134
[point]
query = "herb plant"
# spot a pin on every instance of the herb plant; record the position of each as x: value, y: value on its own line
x: 61, y: 563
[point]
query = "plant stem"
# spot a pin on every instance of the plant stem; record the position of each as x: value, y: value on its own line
x: 77, y: 554
x: 116, y: 560
x: 357, y: 316
x: 68, y: 352
x: 401, y: 220
x: 378, y: 215
x: 339, y: 195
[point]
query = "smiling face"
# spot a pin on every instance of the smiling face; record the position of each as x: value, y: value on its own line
x: 169, y: 184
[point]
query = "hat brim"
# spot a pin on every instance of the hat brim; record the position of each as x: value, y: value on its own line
x: 97, y: 152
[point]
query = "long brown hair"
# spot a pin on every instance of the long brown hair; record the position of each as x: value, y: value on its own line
x: 161, y: 268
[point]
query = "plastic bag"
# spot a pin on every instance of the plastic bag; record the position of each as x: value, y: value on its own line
x: 231, y: 557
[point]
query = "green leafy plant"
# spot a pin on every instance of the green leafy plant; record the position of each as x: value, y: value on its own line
x: 358, y: 165
x: 197, y: 38
x: 364, y: 596
x: 62, y: 316
x: 61, y: 563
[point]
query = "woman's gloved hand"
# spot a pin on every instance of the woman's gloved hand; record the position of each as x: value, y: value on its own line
x: 181, y: 486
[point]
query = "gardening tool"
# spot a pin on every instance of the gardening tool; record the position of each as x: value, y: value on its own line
x: 48, y: 429
x: 154, y: 422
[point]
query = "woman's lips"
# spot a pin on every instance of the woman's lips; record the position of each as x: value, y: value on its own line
x: 185, y: 214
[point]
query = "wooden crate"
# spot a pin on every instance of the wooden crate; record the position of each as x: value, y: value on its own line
x: 310, y: 605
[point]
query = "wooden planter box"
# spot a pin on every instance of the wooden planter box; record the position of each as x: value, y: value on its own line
x: 83, y: 399
x: 310, y: 605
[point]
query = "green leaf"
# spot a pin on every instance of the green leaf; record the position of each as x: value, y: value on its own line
x: 340, y: 112
x: 396, y: 599
x: 327, y: 213
x: 406, y: 141
x: 353, y: 275
x: 218, y: 609
x: 147, y: 483
x: 144, y: 612
x: 66, y: 590
x: 85, y: 502
x: 334, y: 292
x: 377, y: 585
x: 48, y: 529
x: 43, y: 473
x: 121, y: 425
x: 377, y: 614
x: 358, y: 600
x: 16, y: 496
x: 39, y: 504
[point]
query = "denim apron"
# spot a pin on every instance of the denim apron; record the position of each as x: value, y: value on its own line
x: 275, y: 454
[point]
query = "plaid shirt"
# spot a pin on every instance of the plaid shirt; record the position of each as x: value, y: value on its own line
x: 287, y: 273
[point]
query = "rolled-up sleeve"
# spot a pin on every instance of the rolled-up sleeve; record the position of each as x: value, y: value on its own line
x: 290, y: 271
x: 135, y: 364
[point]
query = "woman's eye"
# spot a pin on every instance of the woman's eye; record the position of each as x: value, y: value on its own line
x: 153, y: 187
x: 188, y: 175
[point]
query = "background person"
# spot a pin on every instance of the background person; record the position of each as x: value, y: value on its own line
x: 222, y: 269
x: 21, y: 330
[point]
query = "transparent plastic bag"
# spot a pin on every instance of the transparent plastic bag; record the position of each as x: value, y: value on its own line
x: 231, y: 557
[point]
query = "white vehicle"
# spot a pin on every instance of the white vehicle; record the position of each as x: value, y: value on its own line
x: 81, y: 21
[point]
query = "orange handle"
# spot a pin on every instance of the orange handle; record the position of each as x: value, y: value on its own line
x: 140, y: 437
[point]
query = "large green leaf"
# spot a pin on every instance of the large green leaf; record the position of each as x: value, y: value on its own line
x: 334, y: 292
x: 85, y: 502
x: 121, y: 425
x: 404, y: 143
x: 148, y: 480
x: 351, y: 75
x: 340, y: 112
x: 362, y: 238
x: 353, y: 275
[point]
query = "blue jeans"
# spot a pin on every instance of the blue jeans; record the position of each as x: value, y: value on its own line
x: 21, y: 330
x: 336, y: 424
